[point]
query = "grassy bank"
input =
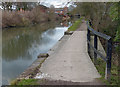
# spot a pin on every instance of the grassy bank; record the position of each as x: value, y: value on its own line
x: 75, y: 25
x: 101, y: 66
x: 26, y: 82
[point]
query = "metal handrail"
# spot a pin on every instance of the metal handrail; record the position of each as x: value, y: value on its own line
x: 107, y: 58
x: 99, y: 34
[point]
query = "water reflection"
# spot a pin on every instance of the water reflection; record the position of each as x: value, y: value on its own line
x: 21, y: 47
x: 20, y: 40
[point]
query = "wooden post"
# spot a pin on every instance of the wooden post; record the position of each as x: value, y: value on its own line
x: 95, y: 46
x: 109, y: 56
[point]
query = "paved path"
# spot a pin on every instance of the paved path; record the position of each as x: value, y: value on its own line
x: 71, y: 62
x: 83, y: 26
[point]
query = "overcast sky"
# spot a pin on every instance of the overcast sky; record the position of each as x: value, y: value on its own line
x: 48, y: 3
x: 56, y: 3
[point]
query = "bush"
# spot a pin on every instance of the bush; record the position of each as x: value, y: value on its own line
x: 35, y: 16
x: 13, y: 19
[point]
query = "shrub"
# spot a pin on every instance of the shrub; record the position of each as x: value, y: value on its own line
x: 13, y: 19
x: 35, y: 16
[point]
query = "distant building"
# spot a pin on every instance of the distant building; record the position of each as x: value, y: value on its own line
x: 59, y: 10
x: 62, y: 11
x: 43, y: 8
x: 65, y: 10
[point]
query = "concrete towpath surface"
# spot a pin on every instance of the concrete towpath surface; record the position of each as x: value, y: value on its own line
x: 83, y: 26
x: 71, y: 61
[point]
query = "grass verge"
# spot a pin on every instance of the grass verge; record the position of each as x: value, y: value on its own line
x: 75, y: 25
x: 101, y: 65
x: 28, y: 82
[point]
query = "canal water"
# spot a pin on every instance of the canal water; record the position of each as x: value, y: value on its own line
x: 21, y: 46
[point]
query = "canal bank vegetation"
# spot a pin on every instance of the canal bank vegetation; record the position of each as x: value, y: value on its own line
x: 101, y: 66
x: 104, y: 18
x: 25, y: 82
x: 21, y: 14
x: 76, y: 24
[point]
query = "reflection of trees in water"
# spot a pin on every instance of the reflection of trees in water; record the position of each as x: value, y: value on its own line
x: 50, y: 32
x: 13, y: 32
x: 16, y: 48
x: 16, y: 42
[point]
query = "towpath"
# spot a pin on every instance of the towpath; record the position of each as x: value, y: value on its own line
x: 71, y: 61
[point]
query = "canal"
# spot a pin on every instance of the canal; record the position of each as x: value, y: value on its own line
x: 21, y: 46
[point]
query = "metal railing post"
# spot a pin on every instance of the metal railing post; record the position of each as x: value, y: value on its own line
x: 109, y: 55
x: 88, y: 38
x: 95, y: 46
